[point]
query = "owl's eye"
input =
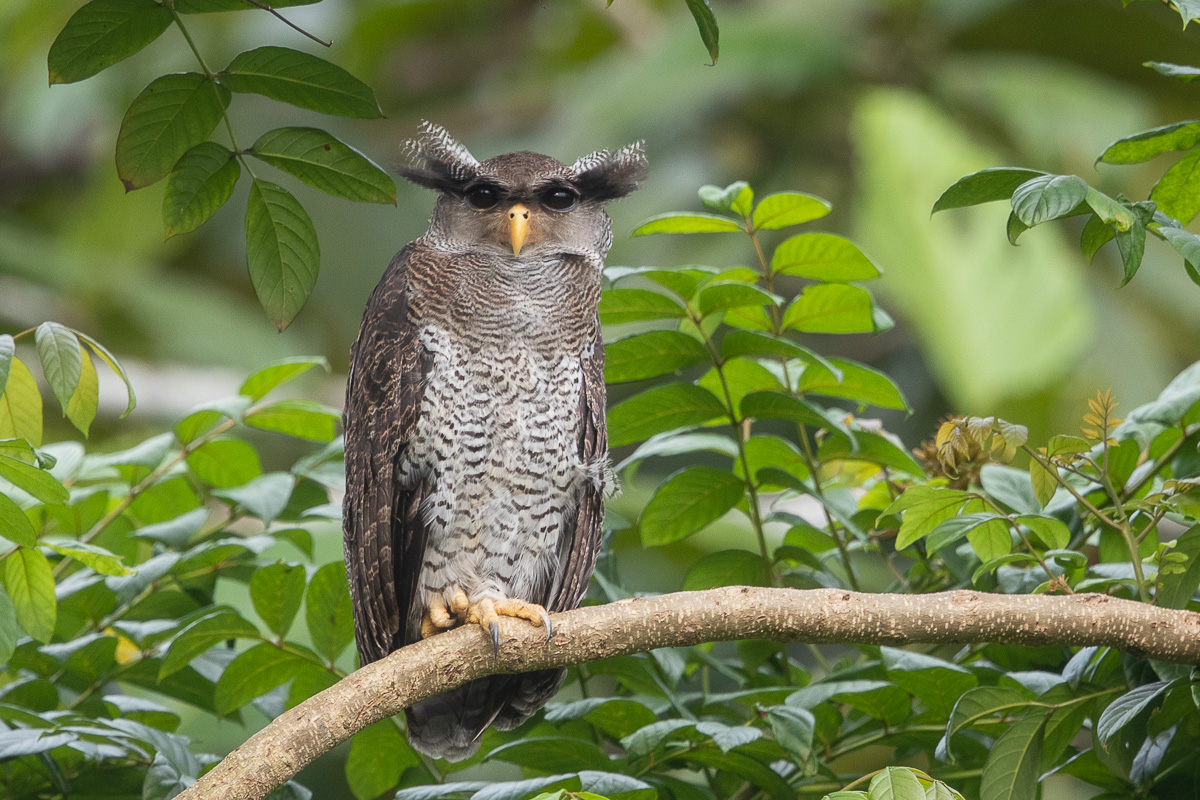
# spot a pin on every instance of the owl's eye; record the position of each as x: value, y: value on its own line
x: 483, y: 196
x: 559, y: 199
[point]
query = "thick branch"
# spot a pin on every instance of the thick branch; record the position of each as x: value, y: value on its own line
x: 435, y: 665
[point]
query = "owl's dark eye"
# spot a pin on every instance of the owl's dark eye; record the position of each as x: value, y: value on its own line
x: 559, y: 199
x: 483, y: 196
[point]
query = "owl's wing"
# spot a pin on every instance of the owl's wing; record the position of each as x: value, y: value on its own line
x: 586, y: 533
x: 383, y: 534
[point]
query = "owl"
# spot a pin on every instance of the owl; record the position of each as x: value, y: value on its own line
x: 476, y: 449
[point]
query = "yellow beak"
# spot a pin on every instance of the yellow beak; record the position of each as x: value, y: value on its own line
x: 518, y: 226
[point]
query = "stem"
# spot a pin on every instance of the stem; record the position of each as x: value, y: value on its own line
x: 739, y: 434
x: 1160, y: 462
x: 212, y: 77
x: 811, y: 460
x: 288, y: 22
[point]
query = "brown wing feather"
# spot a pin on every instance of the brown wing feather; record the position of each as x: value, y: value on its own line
x: 383, y: 535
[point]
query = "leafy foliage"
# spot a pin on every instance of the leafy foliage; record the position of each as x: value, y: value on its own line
x: 1038, y: 197
x: 165, y: 134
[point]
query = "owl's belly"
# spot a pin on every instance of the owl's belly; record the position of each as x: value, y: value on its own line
x: 497, y: 438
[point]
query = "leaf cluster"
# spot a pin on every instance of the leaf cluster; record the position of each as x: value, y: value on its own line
x: 166, y: 134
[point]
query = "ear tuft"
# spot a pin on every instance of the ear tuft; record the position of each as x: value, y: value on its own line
x: 438, y: 161
x: 604, y: 176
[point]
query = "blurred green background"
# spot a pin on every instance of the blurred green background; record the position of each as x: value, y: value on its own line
x: 876, y: 105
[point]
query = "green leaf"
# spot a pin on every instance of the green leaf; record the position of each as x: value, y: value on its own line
x: 783, y: 209
x: 793, y: 729
x: 766, y: 345
x: 1156, y: 141
x: 37, y: 482
x: 10, y: 632
x: 108, y: 358
x: 201, y: 182
x: 857, y: 382
x: 740, y: 376
x: 660, y: 409
x: 265, y: 497
x: 707, y: 24
x: 1096, y: 233
x: 224, y: 463
x: 956, y: 527
x: 983, y: 702
x: 823, y: 257
x: 1177, y: 192
x: 85, y: 400
x: 277, y: 373
x: 1182, y: 72
x: 303, y: 419
x: 1013, y: 766
x: 1132, y: 243
x: 91, y: 556
x: 378, y: 755
x: 1176, y: 588
x: 207, y: 632
x: 328, y: 611
x: 681, y: 222
x: 30, y: 585
x: 203, y: 417
x: 650, y: 354
x: 254, y: 673
x: 21, y: 405
x: 281, y: 251
x: 729, y: 294
x: 737, y: 197
x: 726, y: 568
x: 1126, y: 708
x: 553, y: 754
x: 1014, y: 228
x: 924, y: 507
x: 777, y: 405
x: 61, y: 356
x: 14, y: 525
x: 171, y: 116
x: 276, y: 591
x: 101, y: 33
x: 1047, y: 197
x: 1108, y: 210
x: 673, y: 444
x: 8, y: 349
x: 1053, y: 533
x: 618, y: 306
x: 896, y: 783
x: 871, y: 447
x: 831, y: 308
x: 326, y: 163
x: 772, y: 451
x: 302, y: 80
x: 686, y: 502
x: 985, y: 186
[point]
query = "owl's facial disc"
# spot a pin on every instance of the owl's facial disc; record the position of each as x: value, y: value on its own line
x: 518, y: 226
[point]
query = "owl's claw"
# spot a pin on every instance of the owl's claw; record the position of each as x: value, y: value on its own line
x: 438, y: 617
x: 487, y: 612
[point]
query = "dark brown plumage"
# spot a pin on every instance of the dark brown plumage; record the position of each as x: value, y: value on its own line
x: 476, y: 451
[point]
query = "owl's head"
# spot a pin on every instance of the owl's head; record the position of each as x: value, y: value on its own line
x: 521, y: 204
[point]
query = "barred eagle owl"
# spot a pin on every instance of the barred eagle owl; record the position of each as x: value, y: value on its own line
x: 475, y: 438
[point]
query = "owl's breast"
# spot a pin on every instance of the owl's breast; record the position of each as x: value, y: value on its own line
x: 497, y: 441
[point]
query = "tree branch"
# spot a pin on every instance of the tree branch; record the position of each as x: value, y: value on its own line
x: 383, y: 689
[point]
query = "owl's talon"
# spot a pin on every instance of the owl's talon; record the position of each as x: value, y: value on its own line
x: 487, y: 612
x: 437, y: 617
x: 494, y: 626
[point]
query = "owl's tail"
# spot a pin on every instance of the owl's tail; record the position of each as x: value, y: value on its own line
x: 450, y: 725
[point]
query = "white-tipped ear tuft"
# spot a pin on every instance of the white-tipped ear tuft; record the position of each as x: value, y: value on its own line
x: 437, y: 160
x: 603, y: 176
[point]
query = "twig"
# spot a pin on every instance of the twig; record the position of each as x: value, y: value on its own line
x: 289, y: 23
x: 448, y: 660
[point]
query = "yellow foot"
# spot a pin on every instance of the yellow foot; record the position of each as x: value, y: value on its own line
x: 438, y: 617
x: 487, y: 612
